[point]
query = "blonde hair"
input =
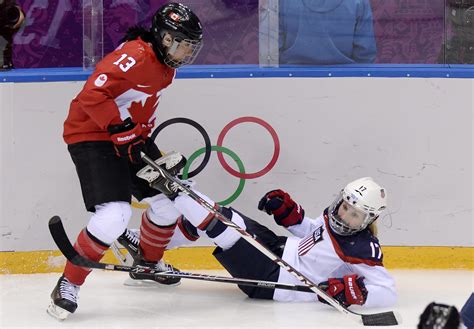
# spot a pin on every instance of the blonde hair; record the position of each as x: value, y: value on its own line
x: 373, y: 229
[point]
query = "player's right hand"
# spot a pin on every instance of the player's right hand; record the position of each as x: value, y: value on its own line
x: 348, y: 290
x: 128, y: 140
x: 285, y: 211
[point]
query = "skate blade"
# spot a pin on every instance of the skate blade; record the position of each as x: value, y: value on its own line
x: 147, y: 283
x: 57, y: 312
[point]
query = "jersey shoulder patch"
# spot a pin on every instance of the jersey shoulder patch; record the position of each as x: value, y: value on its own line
x: 359, y: 248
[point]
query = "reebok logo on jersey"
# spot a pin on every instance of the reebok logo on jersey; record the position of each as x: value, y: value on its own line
x: 101, y: 80
x: 126, y: 138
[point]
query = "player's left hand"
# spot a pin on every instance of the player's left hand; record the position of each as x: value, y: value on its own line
x: 285, y: 211
x: 348, y: 290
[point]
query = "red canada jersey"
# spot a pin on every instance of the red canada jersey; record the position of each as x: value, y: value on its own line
x: 126, y: 83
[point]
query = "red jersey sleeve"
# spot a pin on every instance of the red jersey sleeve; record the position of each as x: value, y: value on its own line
x: 118, y: 72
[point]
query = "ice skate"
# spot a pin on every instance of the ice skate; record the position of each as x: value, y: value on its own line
x: 63, y: 299
x: 130, y: 240
x: 144, y: 279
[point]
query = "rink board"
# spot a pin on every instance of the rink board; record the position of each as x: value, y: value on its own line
x: 413, y: 135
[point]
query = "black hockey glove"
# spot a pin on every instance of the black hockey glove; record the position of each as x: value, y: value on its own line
x: 285, y: 211
x: 128, y: 140
x: 348, y: 290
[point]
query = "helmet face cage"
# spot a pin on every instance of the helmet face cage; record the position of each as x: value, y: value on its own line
x: 339, y: 225
x: 182, y: 52
x: 178, y: 34
x: 365, y: 197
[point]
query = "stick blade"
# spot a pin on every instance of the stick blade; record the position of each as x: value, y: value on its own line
x: 58, y: 233
x: 62, y: 241
x: 381, y: 319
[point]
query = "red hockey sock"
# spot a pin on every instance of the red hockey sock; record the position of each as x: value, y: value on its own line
x: 154, y: 239
x: 88, y: 248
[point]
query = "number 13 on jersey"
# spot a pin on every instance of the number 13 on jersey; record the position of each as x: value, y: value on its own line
x: 125, y: 65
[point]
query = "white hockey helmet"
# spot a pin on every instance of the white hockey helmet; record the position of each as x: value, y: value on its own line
x: 363, y: 199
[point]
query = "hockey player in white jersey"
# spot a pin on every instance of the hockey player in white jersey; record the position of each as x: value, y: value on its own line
x: 337, y: 250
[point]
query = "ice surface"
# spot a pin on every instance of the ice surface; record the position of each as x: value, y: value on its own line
x: 106, y: 303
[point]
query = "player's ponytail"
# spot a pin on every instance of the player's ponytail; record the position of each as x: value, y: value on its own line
x: 136, y: 32
x: 373, y: 229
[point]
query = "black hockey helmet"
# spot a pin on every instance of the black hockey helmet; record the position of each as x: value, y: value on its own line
x: 439, y: 316
x: 178, y: 34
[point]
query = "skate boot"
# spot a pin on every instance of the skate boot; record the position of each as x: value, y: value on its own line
x: 173, y: 162
x: 161, y: 266
x: 63, y: 299
x: 130, y: 240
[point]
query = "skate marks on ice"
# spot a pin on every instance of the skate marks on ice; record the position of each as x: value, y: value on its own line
x: 104, y: 302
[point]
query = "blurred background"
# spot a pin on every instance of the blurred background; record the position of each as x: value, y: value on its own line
x: 55, y: 32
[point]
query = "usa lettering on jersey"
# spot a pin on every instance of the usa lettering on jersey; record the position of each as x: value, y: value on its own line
x: 310, y: 241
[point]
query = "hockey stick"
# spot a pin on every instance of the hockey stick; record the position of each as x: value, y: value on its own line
x: 376, y: 319
x: 214, y: 278
x: 123, y: 259
x: 64, y: 244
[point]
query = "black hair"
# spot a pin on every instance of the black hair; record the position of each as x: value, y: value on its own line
x: 135, y: 32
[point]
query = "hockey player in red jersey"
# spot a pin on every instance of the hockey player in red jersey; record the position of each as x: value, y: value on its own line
x: 107, y: 127
x: 337, y: 250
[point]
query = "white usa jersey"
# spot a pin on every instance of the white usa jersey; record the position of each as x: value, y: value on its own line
x: 319, y: 254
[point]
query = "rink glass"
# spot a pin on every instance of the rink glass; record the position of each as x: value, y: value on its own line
x: 239, y: 32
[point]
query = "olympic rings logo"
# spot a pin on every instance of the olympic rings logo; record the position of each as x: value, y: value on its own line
x: 220, y: 149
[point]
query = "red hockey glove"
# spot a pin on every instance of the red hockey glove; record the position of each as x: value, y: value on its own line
x: 285, y: 211
x: 128, y: 140
x: 348, y: 290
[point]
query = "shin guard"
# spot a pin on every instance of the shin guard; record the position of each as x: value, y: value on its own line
x: 154, y: 239
x: 91, y: 248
